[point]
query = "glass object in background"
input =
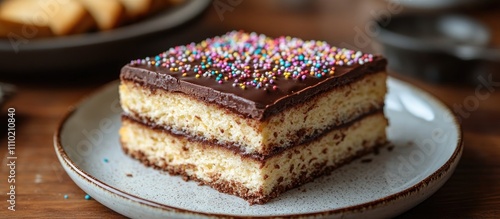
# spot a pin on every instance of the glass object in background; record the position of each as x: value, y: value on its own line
x: 440, y: 47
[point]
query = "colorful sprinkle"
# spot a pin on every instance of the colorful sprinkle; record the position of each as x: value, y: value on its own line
x: 66, y: 196
x: 106, y: 160
x: 250, y: 60
x: 87, y: 197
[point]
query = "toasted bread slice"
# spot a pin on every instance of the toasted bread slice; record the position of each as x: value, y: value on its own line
x: 23, y: 17
x: 108, y: 14
x: 137, y: 8
x: 72, y: 18
x: 38, y: 18
x: 3, y: 30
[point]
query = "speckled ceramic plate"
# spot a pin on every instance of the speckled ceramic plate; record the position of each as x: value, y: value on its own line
x: 426, y: 145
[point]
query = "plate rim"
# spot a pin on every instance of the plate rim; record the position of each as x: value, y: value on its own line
x: 453, y: 160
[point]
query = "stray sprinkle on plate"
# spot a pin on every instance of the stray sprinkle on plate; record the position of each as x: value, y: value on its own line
x: 87, y: 197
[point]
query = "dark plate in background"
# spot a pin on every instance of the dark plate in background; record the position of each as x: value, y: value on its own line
x: 440, y: 4
x: 446, y: 48
x: 53, y: 56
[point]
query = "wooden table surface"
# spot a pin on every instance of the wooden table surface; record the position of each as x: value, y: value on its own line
x: 41, y: 184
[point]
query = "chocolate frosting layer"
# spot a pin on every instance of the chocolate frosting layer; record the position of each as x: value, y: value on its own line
x: 251, y: 102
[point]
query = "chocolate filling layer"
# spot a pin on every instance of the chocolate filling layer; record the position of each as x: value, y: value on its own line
x: 236, y: 188
x: 235, y: 147
x: 252, y: 103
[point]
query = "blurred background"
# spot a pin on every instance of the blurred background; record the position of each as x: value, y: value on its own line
x: 439, y: 41
x: 447, y: 47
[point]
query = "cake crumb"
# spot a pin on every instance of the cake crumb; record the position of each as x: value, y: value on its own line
x: 367, y: 160
x: 129, y: 175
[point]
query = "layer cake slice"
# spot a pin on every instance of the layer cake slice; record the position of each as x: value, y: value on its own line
x: 251, y: 115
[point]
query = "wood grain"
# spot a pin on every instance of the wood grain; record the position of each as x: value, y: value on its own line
x: 472, y: 192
